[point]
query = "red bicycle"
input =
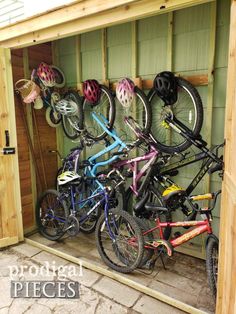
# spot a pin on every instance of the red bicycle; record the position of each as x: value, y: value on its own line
x: 161, y: 246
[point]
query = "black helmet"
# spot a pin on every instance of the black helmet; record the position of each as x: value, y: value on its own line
x: 166, y: 87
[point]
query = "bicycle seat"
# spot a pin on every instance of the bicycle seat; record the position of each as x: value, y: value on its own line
x: 155, y: 208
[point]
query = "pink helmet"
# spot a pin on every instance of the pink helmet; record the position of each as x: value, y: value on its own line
x: 92, y: 91
x: 125, y: 92
x: 46, y: 74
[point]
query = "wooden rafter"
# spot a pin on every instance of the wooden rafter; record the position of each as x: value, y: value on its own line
x: 25, y: 34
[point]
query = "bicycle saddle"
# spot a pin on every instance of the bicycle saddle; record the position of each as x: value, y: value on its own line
x: 155, y: 208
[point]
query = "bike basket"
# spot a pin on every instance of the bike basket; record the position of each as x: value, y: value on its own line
x: 28, y: 89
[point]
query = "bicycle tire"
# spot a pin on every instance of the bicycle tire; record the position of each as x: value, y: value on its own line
x: 142, y: 214
x: 77, y: 119
x: 93, y: 130
x: 212, y: 248
x: 51, y: 119
x: 112, y: 260
x: 147, y: 253
x: 45, y: 197
x: 139, y: 110
x: 59, y: 77
x: 161, y: 132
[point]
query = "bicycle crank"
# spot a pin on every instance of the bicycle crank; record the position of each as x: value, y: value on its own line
x: 72, y: 226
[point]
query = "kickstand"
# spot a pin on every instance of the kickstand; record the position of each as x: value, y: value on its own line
x: 162, y: 260
x: 151, y: 263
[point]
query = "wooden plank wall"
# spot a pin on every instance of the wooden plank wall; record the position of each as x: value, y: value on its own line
x: 226, y: 302
x: 47, y: 135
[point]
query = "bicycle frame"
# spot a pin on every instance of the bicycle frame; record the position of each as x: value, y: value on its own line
x: 187, y: 161
x: 91, y: 170
x: 138, y: 174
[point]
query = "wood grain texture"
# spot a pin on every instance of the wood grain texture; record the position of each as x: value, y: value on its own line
x: 226, y: 300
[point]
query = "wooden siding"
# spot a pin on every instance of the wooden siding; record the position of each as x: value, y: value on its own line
x: 190, y: 57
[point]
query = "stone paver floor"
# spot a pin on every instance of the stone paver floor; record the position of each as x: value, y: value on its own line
x: 98, y: 294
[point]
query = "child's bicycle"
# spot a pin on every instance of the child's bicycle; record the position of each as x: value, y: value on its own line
x: 160, y: 246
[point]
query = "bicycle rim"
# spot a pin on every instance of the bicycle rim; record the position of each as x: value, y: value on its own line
x: 69, y: 124
x: 139, y: 110
x: 187, y: 109
x: 51, y: 215
x: 124, y: 252
x: 106, y: 107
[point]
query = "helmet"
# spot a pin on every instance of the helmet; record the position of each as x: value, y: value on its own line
x: 46, y: 74
x: 67, y: 107
x: 92, y: 91
x: 67, y: 176
x: 125, y: 92
x: 166, y: 87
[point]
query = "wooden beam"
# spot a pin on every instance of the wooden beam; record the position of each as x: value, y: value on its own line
x: 31, y: 131
x: 58, y: 16
x: 118, y: 277
x: 226, y: 297
x: 196, y: 80
x: 59, y: 131
x: 10, y: 198
x: 104, y: 57
x: 210, y: 91
x: 169, y: 41
x: 129, y: 11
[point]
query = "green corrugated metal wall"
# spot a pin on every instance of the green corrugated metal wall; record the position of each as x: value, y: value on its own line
x: 190, y: 56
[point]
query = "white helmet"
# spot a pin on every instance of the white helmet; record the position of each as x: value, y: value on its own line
x: 67, y: 176
x: 67, y: 107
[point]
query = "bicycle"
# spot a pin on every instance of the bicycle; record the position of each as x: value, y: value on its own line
x: 48, y: 78
x: 162, y: 246
x: 178, y: 107
x: 54, y: 220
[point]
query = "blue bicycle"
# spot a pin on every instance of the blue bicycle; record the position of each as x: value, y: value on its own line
x: 71, y: 195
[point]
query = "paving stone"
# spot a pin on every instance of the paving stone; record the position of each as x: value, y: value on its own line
x: 174, y: 292
x: 88, y: 277
x: 4, y: 310
x: 147, y: 305
x: 54, y: 261
x: 20, y: 306
x: 26, y: 249
x: 5, y: 299
x: 117, y: 291
x: 6, y: 262
x: 37, y: 309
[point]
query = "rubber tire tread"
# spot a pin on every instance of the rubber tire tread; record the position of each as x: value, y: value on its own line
x: 38, y: 220
x: 78, y: 101
x: 211, y: 244
x: 138, y: 232
x: 199, y: 119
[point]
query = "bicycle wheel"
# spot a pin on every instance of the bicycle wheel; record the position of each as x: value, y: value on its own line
x: 124, y: 252
x: 51, y: 215
x: 89, y: 224
x: 147, y: 253
x: 106, y: 107
x: 154, y: 197
x: 72, y: 124
x: 53, y: 118
x: 59, y: 77
x: 212, y: 249
x: 188, y: 110
x: 139, y: 110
